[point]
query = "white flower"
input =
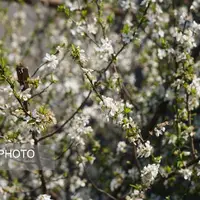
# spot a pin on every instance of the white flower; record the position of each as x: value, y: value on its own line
x: 159, y: 131
x: 106, y: 49
x: 180, y: 57
x: 145, y: 2
x: 144, y: 150
x: 195, y: 5
x: 149, y: 173
x: 121, y: 147
x: 195, y: 26
x: 186, y: 39
x: 136, y: 195
x: 51, y: 60
x: 83, y: 58
x: 78, y: 129
x: 21, y: 16
x: 133, y: 173
x: 92, y: 28
x: 126, y: 38
x: 118, y: 180
x: 110, y: 105
x: 161, y: 53
x: 25, y: 95
x: 198, y: 172
x: 187, y: 173
x: 125, y: 4
x: 76, y: 183
x: 113, y: 109
x: 196, y: 85
x: 44, y: 197
x: 186, y: 153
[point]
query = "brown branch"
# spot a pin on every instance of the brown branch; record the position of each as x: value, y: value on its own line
x: 40, y: 171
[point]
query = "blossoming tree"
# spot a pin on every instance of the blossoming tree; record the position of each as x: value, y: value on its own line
x: 112, y: 88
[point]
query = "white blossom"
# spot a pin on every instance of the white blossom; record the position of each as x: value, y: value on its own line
x: 145, y: 2
x: 21, y: 16
x: 144, y: 150
x: 161, y: 53
x: 149, y: 173
x: 136, y: 195
x: 83, y: 58
x: 118, y: 180
x: 25, y: 95
x: 195, y: 5
x: 51, y: 61
x: 196, y: 85
x: 44, y: 197
x: 78, y: 129
x: 127, y: 37
x: 187, y: 173
x: 111, y: 105
x: 133, y: 173
x: 159, y: 131
x: 125, y: 4
x: 92, y: 28
x: 76, y: 182
x: 121, y: 147
x: 105, y: 49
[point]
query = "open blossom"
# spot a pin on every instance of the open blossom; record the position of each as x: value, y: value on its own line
x: 149, y: 173
x: 121, y: 147
x: 83, y: 58
x: 125, y: 4
x: 111, y: 105
x: 51, y: 61
x: 20, y: 16
x: 115, y: 110
x: 161, y: 53
x: 25, y: 95
x: 44, y: 197
x: 78, y: 129
x: 144, y: 150
x: 196, y: 85
x: 92, y: 28
x: 76, y: 183
x: 159, y: 131
x: 195, y: 5
x: 145, y: 2
x: 118, y: 180
x: 136, y: 195
x: 187, y: 173
x: 127, y: 37
x: 187, y: 38
x: 106, y: 49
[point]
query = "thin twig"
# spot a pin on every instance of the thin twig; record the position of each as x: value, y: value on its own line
x: 68, y: 120
x: 39, y: 93
x: 42, y: 179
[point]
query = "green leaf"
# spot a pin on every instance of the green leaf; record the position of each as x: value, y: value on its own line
x: 126, y: 29
x: 84, y: 13
x: 110, y: 18
x: 75, y: 52
x: 127, y: 110
x: 63, y: 8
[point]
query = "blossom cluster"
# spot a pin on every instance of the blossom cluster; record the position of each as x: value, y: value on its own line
x: 113, y: 89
